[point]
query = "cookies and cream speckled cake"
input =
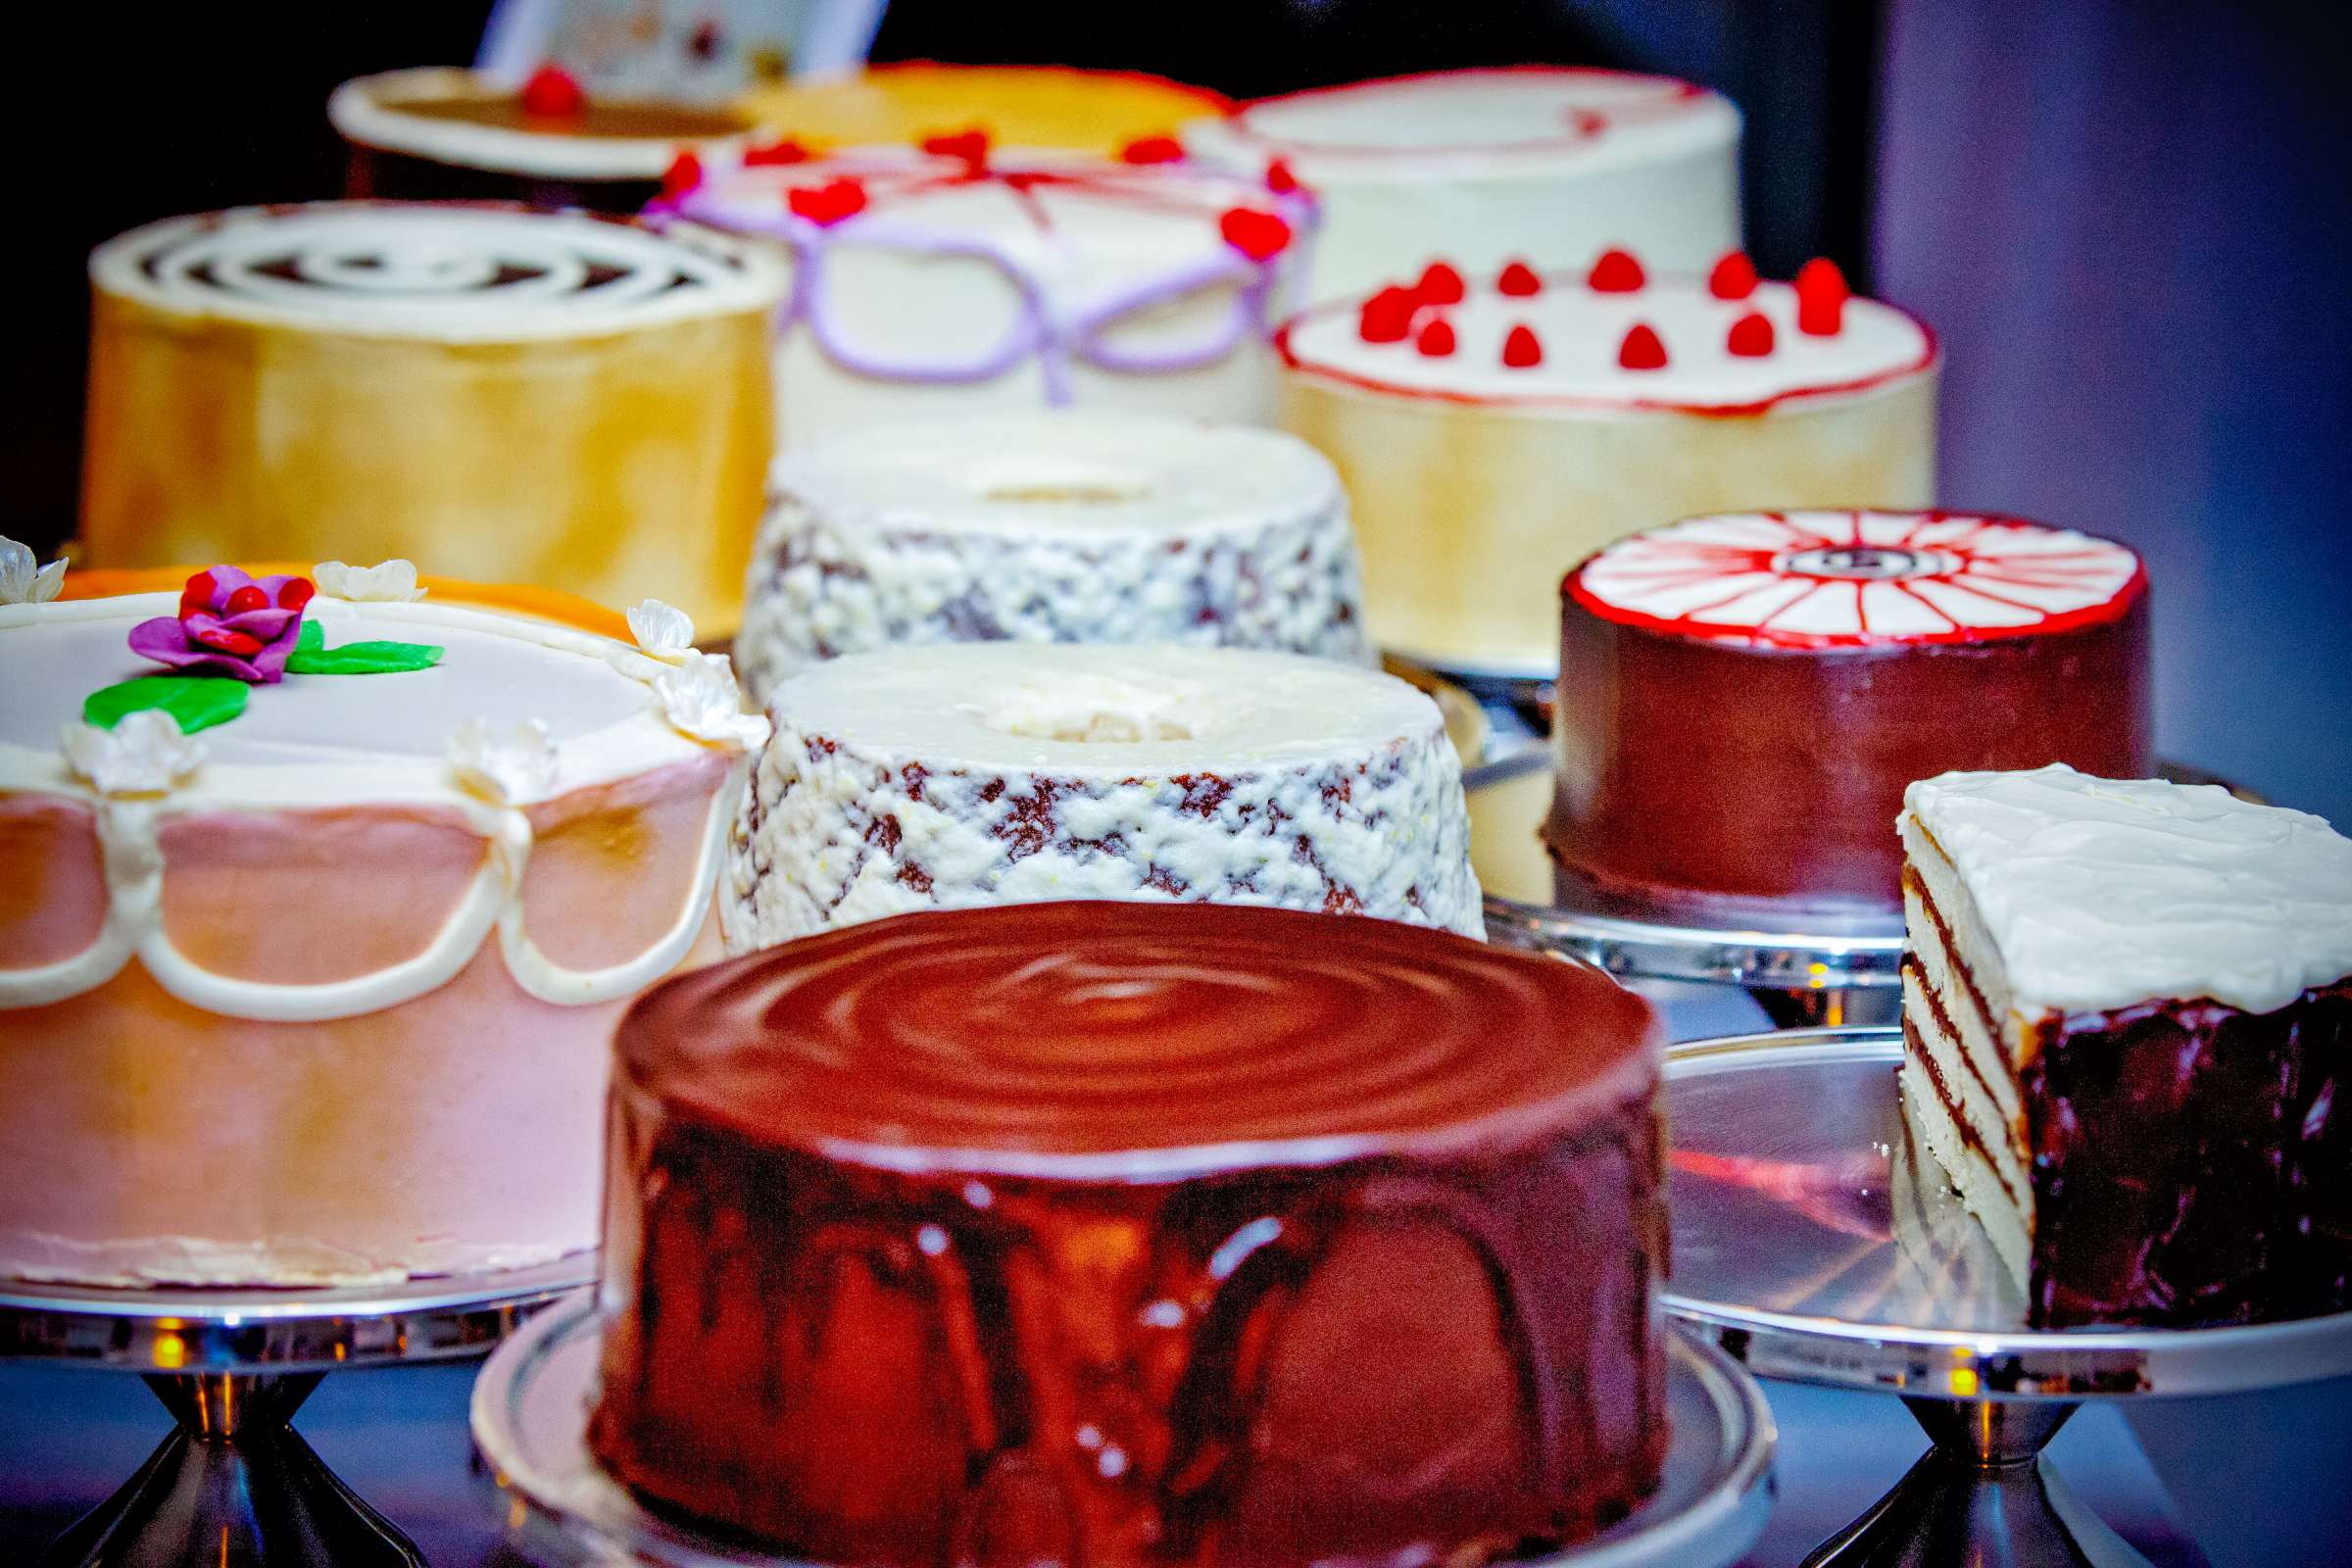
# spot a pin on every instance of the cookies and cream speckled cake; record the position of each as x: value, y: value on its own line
x: 1494, y: 428
x: 922, y: 778
x: 956, y: 277
x: 1543, y: 165
x: 320, y: 896
x: 1131, y: 1236
x: 515, y: 396
x: 2126, y: 1022
x: 1742, y: 700
x: 1050, y: 527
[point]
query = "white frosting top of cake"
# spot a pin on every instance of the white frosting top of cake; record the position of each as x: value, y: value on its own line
x: 439, y: 271
x: 1581, y: 331
x: 1060, y: 474
x: 2102, y: 894
x: 1439, y: 124
x: 1103, y: 711
x: 1858, y: 579
x: 373, y: 112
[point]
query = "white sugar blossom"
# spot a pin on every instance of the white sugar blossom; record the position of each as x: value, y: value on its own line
x: 144, y: 753
x: 700, y: 699
x: 22, y: 583
x: 392, y: 582
x: 505, y: 764
x: 662, y: 630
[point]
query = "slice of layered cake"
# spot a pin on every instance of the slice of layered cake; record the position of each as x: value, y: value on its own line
x: 2127, y: 1022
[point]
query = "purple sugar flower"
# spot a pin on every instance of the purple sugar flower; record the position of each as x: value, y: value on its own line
x: 227, y: 621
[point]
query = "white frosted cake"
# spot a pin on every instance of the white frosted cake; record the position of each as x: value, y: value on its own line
x: 1543, y: 164
x: 1494, y: 428
x: 1062, y: 527
x: 321, y: 905
x: 917, y: 777
x: 515, y: 395
x: 2127, y: 1010
x: 946, y: 281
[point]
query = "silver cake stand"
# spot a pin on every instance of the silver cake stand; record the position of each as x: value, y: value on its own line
x: 530, y: 1422
x: 234, y: 1482
x: 1812, y: 1243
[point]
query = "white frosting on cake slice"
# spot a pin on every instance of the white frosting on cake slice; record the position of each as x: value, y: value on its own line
x: 937, y: 776
x: 1050, y: 527
x: 2099, y: 894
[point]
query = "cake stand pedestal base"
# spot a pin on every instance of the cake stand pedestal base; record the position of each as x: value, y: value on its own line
x: 234, y: 1483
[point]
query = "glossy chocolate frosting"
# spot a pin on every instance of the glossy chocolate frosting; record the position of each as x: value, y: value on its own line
x: 1128, y: 1232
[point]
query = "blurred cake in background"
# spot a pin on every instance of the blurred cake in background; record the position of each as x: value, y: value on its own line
x: 524, y: 397
x: 1138, y: 1237
x: 323, y: 896
x: 1494, y: 428
x: 2127, y: 1013
x: 1003, y: 772
x: 1543, y: 165
x: 442, y: 132
x: 1050, y: 527
x: 1742, y: 700
x: 943, y: 280
x: 1097, y: 112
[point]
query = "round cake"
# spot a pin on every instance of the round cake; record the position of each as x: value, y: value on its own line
x: 1494, y: 428
x: 441, y: 133
x: 1133, y: 1234
x: 1742, y: 700
x: 322, y: 901
x: 1533, y: 163
x: 949, y: 279
x: 1012, y: 772
x: 1050, y: 527
x: 527, y: 397
x: 1098, y: 111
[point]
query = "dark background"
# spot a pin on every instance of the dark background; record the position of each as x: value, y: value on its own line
x: 2126, y: 219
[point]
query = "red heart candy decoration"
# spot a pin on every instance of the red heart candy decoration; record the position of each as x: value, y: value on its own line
x: 553, y: 94
x: 1519, y: 280
x: 829, y: 202
x: 1260, y: 236
x: 685, y: 172
x: 969, y: 146
x: 1151, y: 150
x: 1279, y: 178
x: 1821, y: 296
x: 1522, y: 348
x: 1615, y: 272
x: 1641, y: 350
x: 783, y: 150
x: 1733, y: 277
x: 1436, y: 340
x: 1439, y: 284
x: 1387, y: 316
x: 1750, y: 336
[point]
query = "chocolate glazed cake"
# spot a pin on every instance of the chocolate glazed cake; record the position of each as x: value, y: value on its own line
x: 1743, y: 699
x: 1106, y: 1234
x: 2128, y: 1034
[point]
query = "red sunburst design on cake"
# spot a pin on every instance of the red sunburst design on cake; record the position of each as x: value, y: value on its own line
x: 1858, y: 580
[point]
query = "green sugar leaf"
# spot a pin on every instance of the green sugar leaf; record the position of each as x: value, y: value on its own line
x: 196, y: 702
x: 311, y: 638
x: 361, y: 659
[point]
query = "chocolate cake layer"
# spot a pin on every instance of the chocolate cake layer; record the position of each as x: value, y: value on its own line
x: 1137, y: 1234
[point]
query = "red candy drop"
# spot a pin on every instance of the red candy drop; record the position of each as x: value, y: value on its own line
x: 295, y: 594
x: 1279, y: 178
x: 1641, y: 350
x: 685, y: 172
x: 1750, y: 336
x: 1522, y: 348
x: 1387, y: 316
x: 1821, y: 296
x: 243, y: 643
x: 828, y: 203
x: 1519, y: 280
x: 249, y: 597
x: 551, y: 92
x: 783, y: 150
x: 969, y: 146
x: 1260, y: 236
x: 1436, y: 340
x: 1439, y: 284
x: 1616, y: 272
x: 1733, y: 277
x: 1151, y: 150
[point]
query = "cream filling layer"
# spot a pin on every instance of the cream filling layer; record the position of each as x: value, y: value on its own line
x: 2009, y: 1227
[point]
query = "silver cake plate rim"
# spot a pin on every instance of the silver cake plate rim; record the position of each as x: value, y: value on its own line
x: 1973, y: 1363
x: 529, y: 1418
x: 197, y: 1329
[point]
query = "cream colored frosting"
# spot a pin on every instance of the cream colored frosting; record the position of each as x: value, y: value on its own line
x: 2101, y: 894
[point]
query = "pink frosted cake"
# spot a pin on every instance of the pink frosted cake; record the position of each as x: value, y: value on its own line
x: 319, y: 900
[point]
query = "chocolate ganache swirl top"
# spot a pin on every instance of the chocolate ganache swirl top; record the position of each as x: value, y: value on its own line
x: 1137, y: 1040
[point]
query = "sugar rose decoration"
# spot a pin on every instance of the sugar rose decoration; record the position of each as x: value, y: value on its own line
x: 240, y: 626
x: 22, y: 580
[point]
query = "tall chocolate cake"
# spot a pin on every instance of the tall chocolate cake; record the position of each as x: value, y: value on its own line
x: 1113, y: 1234
x: 1743, y: 699
x: 2127, y: 1030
